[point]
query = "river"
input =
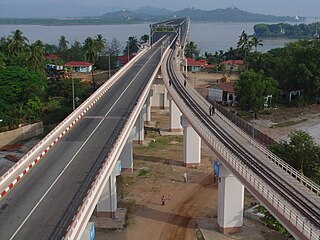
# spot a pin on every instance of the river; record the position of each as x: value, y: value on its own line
x: 209, y: 37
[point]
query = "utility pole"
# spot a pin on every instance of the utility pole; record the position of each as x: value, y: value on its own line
x: 109, y: 66
x: 73, y: 102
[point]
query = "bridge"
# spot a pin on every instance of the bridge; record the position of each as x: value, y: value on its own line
x: 54, y: 189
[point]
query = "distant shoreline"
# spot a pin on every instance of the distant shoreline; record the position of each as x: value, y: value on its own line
x: 116, y: 23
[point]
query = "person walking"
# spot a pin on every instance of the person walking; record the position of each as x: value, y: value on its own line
x: 185, y: 83
x: 210, y: 111
x: 163, y: 199
x: 185, y: 178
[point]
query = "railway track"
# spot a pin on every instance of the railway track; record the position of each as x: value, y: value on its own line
x: 302, y: 203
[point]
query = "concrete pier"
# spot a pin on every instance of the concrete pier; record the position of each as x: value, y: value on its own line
x: 191, y: 145
x: 230, y: 202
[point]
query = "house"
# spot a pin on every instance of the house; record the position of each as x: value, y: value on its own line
x: 233, y: 64
x: 194, y: 65
x: 83, y: 67
x: 222, y: 92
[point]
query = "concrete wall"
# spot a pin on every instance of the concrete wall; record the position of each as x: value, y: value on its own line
x: 19, y: 134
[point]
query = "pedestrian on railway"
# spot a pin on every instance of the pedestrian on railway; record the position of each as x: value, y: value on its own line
x: 170, y: 83
x: 163, y: 199
x: 185, y: 83
x: 210, y: 110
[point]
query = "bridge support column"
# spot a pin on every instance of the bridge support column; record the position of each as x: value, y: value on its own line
x: 107, y: 204
x: 191, y: 145
x: 230, y: 202
x: 126, y: 156
x: 148, y: 110
x: 139, y: 138
x: 175, y: 115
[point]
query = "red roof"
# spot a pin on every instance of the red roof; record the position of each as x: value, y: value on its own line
x: 234, y: 62
x: 226, y: 86
x: 195, y: 63
x: 52, y: 56
x: 78, y: 64
x: 209, y: 66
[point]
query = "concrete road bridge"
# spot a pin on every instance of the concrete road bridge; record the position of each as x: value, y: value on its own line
x: 52, y: 192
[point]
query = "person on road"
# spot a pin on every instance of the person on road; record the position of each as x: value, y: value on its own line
x: 163, y: 199
x: 185, y: 178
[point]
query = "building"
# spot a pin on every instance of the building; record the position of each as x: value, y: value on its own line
x: 194, y: 65
x: 83, y: 67
x: 222, y: 92
x: 233, y: 64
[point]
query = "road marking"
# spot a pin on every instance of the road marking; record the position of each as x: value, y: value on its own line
x: 65, y: 168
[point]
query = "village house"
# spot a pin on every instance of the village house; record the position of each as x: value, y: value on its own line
x: 194, y: 65
x: 83, y: 67
x: 233, y: 64
x: 222, y: 92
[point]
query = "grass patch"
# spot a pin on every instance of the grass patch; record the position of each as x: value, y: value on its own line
x: 163, y: 142
x: 288, y: 123
x: 144, y: 172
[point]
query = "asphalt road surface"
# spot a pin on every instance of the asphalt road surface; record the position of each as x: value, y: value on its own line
x: 42, y: 205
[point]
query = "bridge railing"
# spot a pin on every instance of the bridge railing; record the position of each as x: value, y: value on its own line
x: 266, y: 193
x: 17, y: 171
x: 281, y: 163
x: 83, y: 215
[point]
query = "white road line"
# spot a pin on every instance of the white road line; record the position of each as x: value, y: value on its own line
x: 65, y: 168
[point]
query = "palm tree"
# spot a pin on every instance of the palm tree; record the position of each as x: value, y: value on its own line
x: 191, y: 50
x: 36, y: 56
x: 100, y: 43
x: 132, y: 46
x: 144, y: 38
x: 255, y: 41
x: 244, y: 45
x: 17, y: 43
x: 63, y: 47
x: 90, y: 54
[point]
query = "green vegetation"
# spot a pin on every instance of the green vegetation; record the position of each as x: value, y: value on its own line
x: 302, y: 153
x: 30, y: 93
x: 287, y: 30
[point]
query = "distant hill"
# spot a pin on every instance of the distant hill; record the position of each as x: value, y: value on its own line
x: 231, y: 15
x: 151, y: 14
x: 152, y: 11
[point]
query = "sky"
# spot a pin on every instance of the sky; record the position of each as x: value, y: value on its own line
x: 307, y: 8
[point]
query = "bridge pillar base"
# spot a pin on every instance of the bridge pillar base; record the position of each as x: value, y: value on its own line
x: 107, y: 204
x: 230, y: 202
x: 229, y: 230
x: 175, y: 115
x: 191, y: 144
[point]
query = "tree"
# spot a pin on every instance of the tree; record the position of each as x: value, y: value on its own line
x: 100, y: 43
x: 144, y: 39
x: 132, y: 46
x: 36, y: 56
x: 63, y: 44
x: 90, y: 54
x: 17, y: 43
x: 17, y: 87
x: 252, y: 88
x: 255, y: 42
x: 76, y: 52
x: 191, y: 50
x: 301, y: 152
